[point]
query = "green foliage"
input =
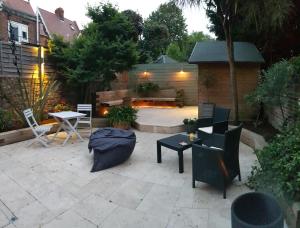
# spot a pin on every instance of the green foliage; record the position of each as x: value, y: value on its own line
x: 22, y: 93
x: 121, y: 115
x: 295, y: 62
x: 279, y: 164
x: 63, y: 107
x: 260, y: 22
x: 6, y: 120
x: 156, y: 39
x: 171, y: 16
x: 57, y: 47
x: 105, y: 47
x: 187, y: 45
x: 273, y: 89
x: 164, y: 26
x: 176, y: 53
x: 137, y: 22
x: 190, y: 125
x: 180, y: 98
x: 146, y: 89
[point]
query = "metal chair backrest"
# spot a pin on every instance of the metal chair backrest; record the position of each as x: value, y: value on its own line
x: 85, y: 108
x: 30, y: 118
x: 231, y: 147
x: 221, y: 114
x: 206, y: 110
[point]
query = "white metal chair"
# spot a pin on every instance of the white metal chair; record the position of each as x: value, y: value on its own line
x: 86, y: 121
x: 38, y: 130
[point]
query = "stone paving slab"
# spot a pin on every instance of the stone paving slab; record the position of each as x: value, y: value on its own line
x: 53, y: 187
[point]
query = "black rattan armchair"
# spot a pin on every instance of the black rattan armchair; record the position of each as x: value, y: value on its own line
x: 216, y: 159
x: 218, y: 121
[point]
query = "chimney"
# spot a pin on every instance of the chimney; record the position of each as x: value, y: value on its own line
x: 60, y: 13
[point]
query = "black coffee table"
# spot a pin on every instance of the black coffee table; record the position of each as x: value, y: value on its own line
x: 172, y: 142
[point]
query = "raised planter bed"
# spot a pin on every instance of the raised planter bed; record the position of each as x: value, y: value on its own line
x: 19, y: 135
x: 23, y: 134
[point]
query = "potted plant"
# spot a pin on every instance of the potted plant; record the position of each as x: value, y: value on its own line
x: 147, y: 89
x: 180, y: 98
x: 122, y: 117
x: 190, y: 125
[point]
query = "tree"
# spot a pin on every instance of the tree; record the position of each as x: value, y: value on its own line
x: 188, y: 44
x: 274, y: 43
x: 174, y: 52
x: 264, y: 13
x: 171, y: 17
x: 137, y: 22
x: 156, y: 39
x: 106, y: 46
x: 275, y: 87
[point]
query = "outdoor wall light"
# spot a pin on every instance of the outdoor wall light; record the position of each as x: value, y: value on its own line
x: 181, y: 70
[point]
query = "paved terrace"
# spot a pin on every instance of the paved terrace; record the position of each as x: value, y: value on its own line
x: 52, y: 187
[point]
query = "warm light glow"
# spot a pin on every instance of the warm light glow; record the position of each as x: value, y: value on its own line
x: 43, y: 69
x: 103, y: 111
x: 152, y: 106
x: 42, y: 52
x: 181, y: 72
x: 156, y: 104
x: 36, y: 72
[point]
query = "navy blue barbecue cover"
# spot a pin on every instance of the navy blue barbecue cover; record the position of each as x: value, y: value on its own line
x: 111, y: 147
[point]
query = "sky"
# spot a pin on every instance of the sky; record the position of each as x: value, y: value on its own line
x: 196, y: 19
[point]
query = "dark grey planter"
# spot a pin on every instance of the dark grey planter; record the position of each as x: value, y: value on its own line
x: 256, y: 209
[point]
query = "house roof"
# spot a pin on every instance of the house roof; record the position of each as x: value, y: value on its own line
x: 20, y: 6
x: 54, y: 25
x: 165, y: 59
x: 216, y: 51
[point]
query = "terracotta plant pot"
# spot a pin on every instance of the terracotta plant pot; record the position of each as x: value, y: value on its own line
x: 122, y: 125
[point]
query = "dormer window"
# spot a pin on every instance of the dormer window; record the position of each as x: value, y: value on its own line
x: 72, y: 27
x: 18, y: 32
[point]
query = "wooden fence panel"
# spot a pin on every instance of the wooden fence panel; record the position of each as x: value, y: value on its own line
x: 28, y: 61
x: 178, y: 76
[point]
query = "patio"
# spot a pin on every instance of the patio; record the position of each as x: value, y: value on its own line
x: 52, y: 187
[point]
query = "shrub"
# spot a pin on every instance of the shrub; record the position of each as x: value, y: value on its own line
x: 62, y: 107
x: 279, y: 164
x: 190, y: 125
x: 145, y: 89
x: 6, y: 122
x: 122, y: 115
x: 274, y: 88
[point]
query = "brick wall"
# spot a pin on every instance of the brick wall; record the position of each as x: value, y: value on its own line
x: 220, y: 93
x: 23, y: 20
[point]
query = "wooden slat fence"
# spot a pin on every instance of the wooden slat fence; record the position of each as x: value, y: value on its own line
x: 178, y: 76
x: 27, y: 60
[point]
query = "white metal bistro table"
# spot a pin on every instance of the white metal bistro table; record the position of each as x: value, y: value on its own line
x: 63, y: 118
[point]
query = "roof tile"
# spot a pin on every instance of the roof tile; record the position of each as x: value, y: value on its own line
x: 66, y: 28
x: 20, y: 6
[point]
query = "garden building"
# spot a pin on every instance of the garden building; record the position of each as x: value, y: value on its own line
x: 213, y: 68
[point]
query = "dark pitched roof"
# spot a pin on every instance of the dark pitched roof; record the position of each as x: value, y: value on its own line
x: 20, y: 6
x: 165, y: 59
x: 216, y: 51
x: 65, y: 28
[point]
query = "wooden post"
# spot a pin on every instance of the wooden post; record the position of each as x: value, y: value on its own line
x: 40, y: 70
x: 21, y: 58
x: 1, y: 59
